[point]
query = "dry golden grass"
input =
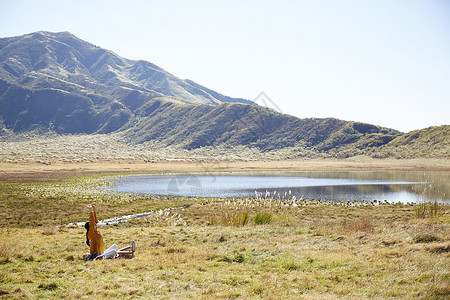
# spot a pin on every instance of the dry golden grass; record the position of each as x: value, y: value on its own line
x: 299, y: 258
x: 308, y: 249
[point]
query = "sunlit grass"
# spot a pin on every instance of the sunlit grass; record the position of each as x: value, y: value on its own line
x: 269, y: 261
x: 258, y: 247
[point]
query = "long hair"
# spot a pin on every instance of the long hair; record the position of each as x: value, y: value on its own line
x: 86, y: 225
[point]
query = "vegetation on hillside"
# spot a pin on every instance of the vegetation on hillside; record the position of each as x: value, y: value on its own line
x: 429, y: 142
x: 49, y: 148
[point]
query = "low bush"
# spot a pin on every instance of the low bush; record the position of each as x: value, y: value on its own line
x: 263, y: 218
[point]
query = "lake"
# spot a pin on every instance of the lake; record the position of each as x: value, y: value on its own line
x: 339, y: 186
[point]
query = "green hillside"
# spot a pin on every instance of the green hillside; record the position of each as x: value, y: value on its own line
x: 194, y: 126
x: 428, y: 142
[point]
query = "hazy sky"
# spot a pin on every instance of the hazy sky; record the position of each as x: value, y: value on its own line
x: 385, y: 62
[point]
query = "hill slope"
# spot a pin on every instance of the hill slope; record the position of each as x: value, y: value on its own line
x: 428, y: 142
x: 237, y: 124
x: 57, y: 82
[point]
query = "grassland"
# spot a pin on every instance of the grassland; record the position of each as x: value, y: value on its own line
x: 215, y: 248
x: 50, y: 148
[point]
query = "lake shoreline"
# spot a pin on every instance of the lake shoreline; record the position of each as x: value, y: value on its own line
x: 17, y: 172
x: 393, y: 187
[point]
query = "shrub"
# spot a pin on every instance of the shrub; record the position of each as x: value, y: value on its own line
x: 263, y: 218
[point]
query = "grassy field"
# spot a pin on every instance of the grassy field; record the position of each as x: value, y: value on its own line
x: 215, y: 248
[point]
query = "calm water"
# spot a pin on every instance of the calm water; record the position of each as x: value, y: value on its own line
x: 366, y: 186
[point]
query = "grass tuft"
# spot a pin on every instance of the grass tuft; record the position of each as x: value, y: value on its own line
x: 236, y: 217
x: 48, y: 286
x: 428, y: 209
x: 292, y: 265
x: 425, y: 238
x: 359, y: 225
x: 438, y: 249
x: 263, y: 218
x: 48, y: 230
x: 3, y: 292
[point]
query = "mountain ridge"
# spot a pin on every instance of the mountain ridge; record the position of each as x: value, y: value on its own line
x: 60, y: 83
x: 65, y: 57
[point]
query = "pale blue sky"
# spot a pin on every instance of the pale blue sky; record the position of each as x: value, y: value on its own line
x: 385, y: 62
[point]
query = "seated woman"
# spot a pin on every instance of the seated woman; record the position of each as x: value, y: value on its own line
x: 93, y: 238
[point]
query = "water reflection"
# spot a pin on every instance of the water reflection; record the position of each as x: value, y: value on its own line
x: 344, y: 186
x: 391, y: 193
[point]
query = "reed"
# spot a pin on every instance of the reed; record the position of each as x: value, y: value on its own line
x: 428, y: 207
x: 236, y: 217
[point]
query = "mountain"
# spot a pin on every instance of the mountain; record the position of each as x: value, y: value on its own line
x: 65, y: 62
x: 57, y: 82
